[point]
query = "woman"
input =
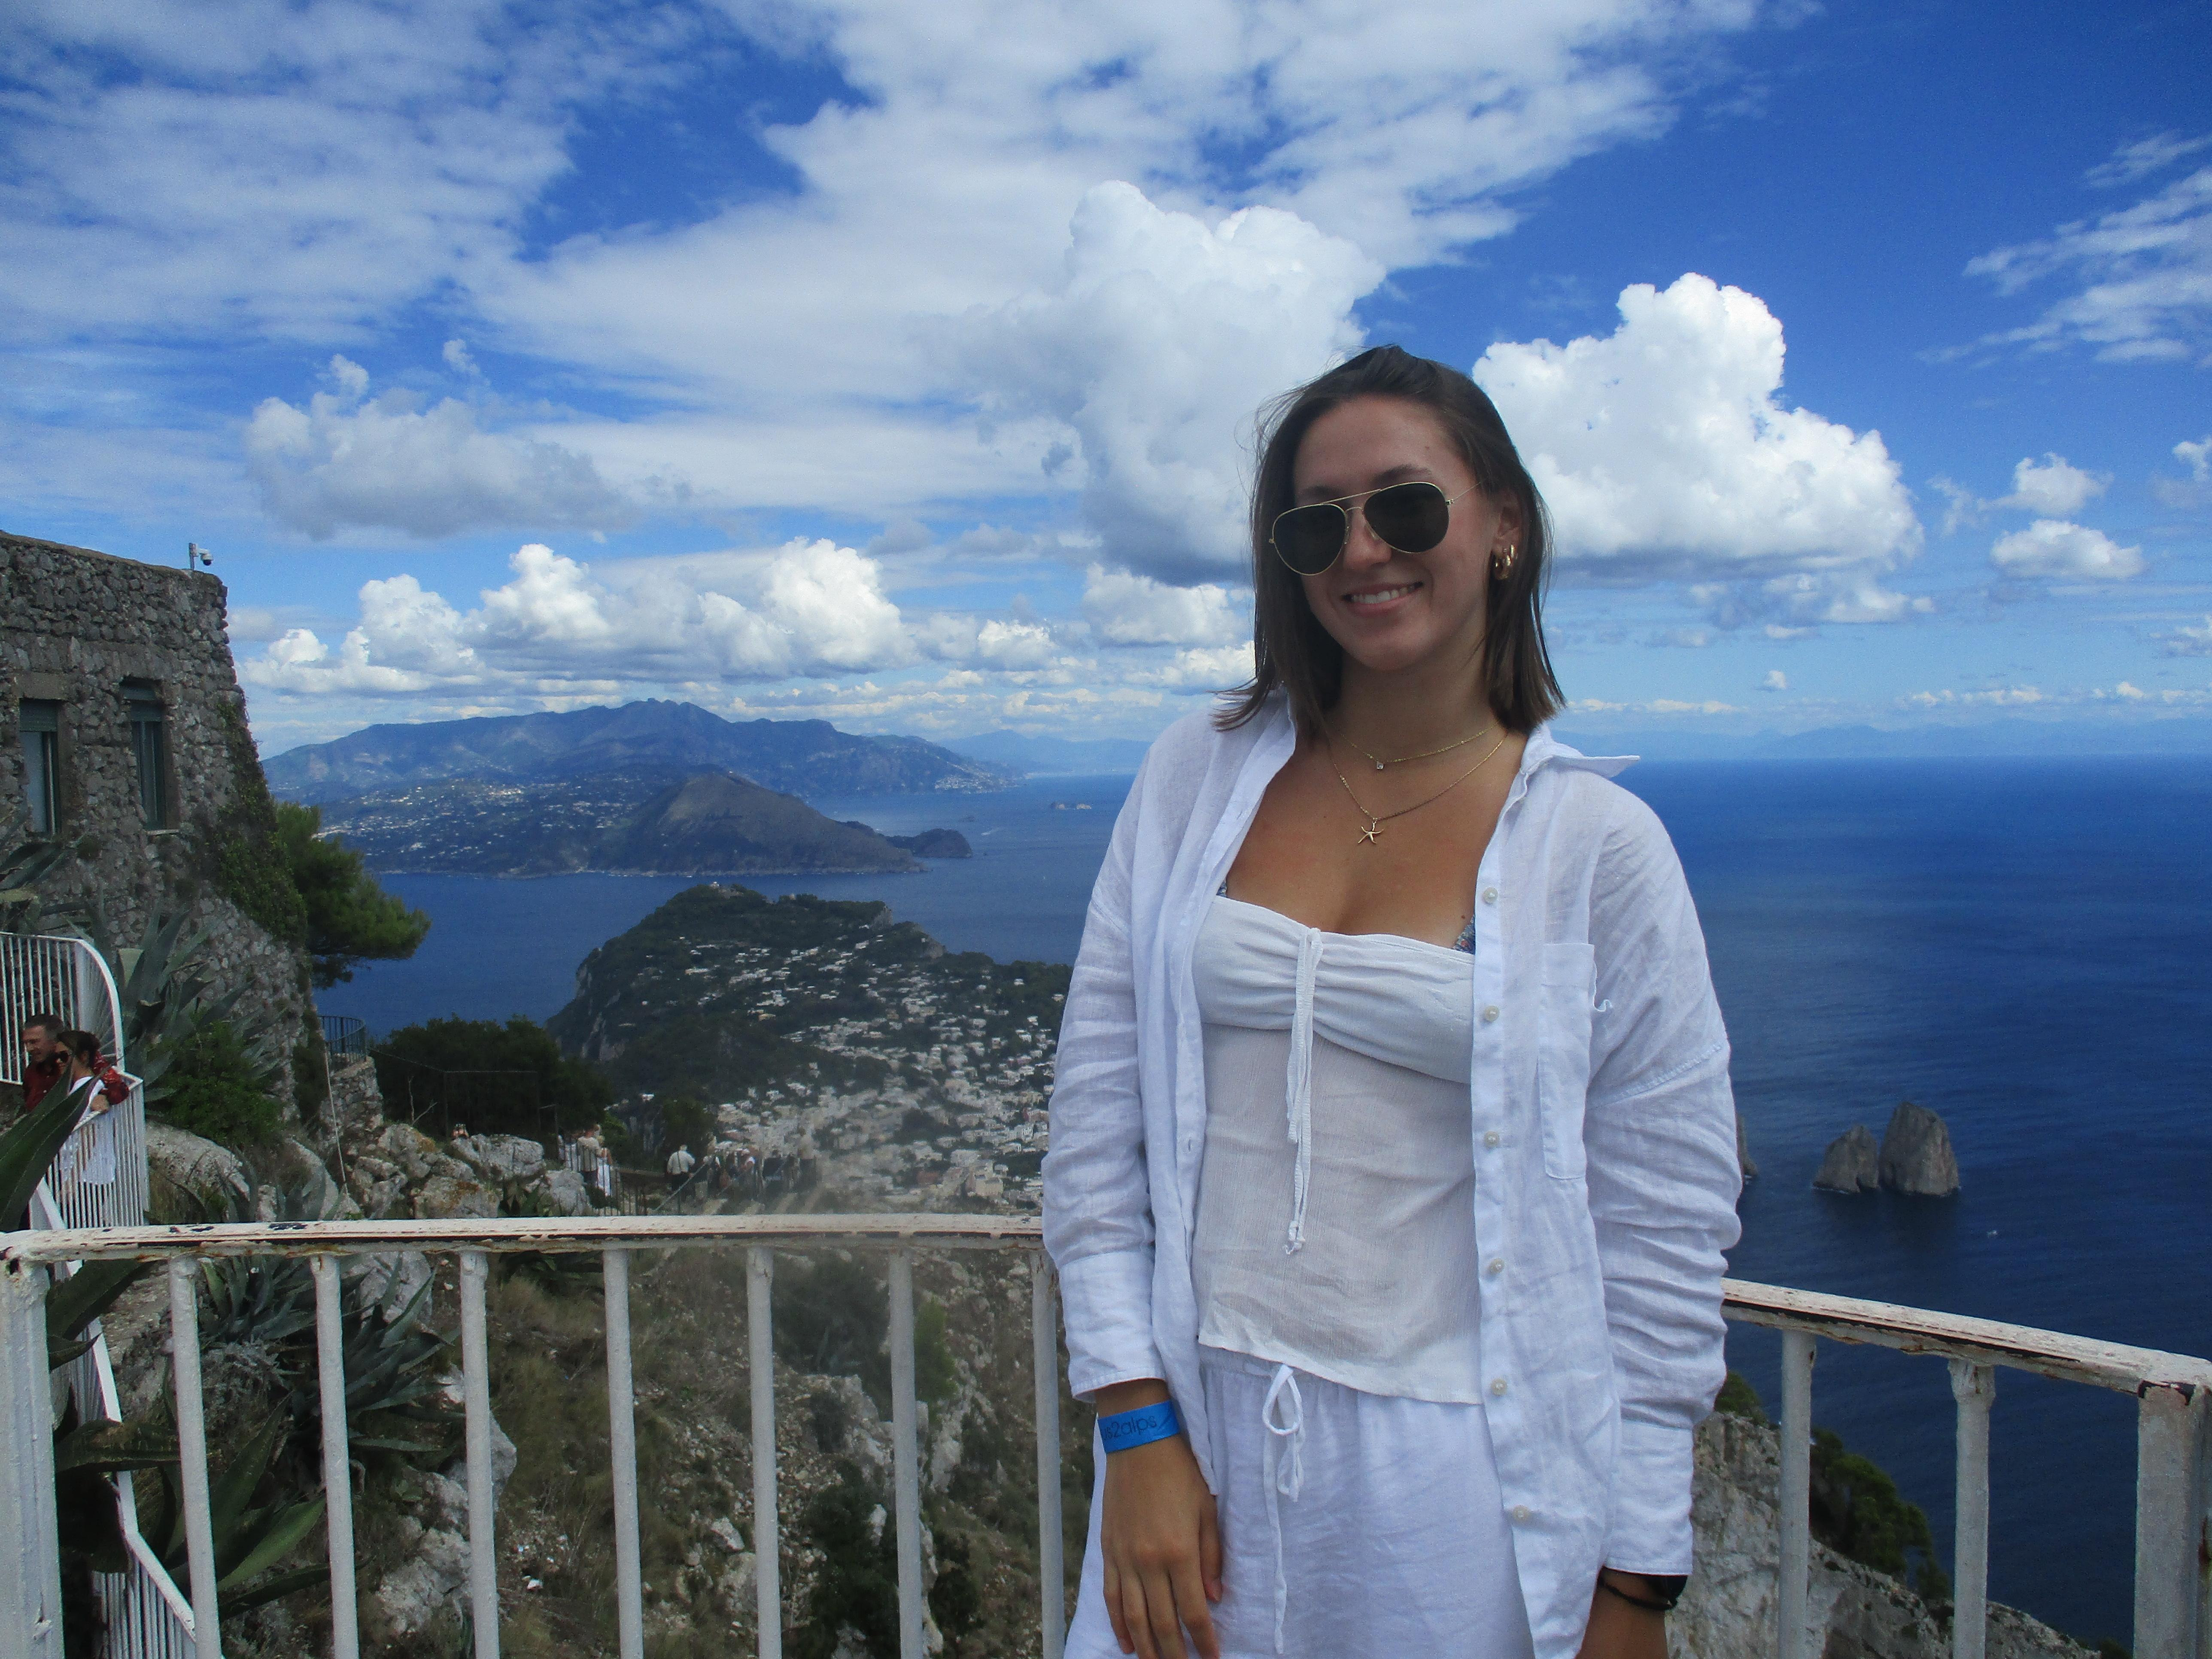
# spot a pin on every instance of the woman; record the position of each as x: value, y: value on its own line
x: 87, y: 1157
x: 1393, y: 1149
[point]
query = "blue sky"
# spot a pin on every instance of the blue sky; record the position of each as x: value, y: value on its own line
x: 896, y: 364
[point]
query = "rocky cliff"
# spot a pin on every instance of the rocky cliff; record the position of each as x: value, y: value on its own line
x: 1916, y: 1154
x: 1853, y: 1612
x: 1852, y: 1163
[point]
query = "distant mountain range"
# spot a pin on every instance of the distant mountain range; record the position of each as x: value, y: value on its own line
x: 2008, y: 738
x: 800, y: 757
x: 639, y: 820
x: 1046, y: 757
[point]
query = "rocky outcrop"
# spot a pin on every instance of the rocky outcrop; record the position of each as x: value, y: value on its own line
x: 1851, y: 1164
x: 433, y: 1573
x: 1916, y: 1154
x: 189, y: 1179
x: 1743, y: 1151
x: 498, y: 1159
x: 1852, y: 1612
x: 935, y: 844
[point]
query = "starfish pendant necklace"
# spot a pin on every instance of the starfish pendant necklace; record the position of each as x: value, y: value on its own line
x: 1371, y: 834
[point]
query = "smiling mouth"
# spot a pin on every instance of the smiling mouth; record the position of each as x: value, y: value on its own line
x: 1381, y: 595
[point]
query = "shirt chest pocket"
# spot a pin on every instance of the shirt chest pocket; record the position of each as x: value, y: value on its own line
x: 1563, y: 1055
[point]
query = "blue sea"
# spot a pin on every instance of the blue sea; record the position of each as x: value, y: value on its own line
x: 2023, y: 947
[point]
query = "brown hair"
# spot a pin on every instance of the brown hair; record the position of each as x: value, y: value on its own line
x: 1292, y: 650
x: 83, y: 1045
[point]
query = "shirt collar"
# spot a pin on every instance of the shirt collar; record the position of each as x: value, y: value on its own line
x: 1545, y: 750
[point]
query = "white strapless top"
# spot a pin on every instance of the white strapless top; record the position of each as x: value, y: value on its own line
x: 1335, y: 1206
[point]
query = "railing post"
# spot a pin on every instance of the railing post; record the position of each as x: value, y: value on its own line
x: 1044, y: 1340
x: 191, y: 1453
x: 1974, y: 1387
x: 1796, y: 1515
x: 906, y: 1473
x: 760, y: 1333
x: 337, y: 1463
x: 30, y: 1544
x: 476, y: 1394
x: 2171, y: 1617
x: 621, y: 1447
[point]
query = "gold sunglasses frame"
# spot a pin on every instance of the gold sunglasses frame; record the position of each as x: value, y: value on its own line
x: 1362, y: 496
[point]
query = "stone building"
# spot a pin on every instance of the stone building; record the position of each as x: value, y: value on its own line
x: 123, y: 738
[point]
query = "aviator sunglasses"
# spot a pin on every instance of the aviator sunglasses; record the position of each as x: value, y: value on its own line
x: 1412, y: 518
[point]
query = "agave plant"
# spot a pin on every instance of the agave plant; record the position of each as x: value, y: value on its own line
x: 250, y: 1539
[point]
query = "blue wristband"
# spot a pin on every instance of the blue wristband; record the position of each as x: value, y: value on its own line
x: 1141, y: 1427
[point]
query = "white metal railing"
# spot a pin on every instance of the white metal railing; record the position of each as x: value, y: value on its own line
x: 98, y: 1178
x: 145, y: 1613
x: 2173, y: 1549
x: 50, y: 974
x: 2170, y: 1614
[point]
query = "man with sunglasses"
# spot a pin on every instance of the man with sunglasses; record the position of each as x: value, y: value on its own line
x: 1393, y: 1146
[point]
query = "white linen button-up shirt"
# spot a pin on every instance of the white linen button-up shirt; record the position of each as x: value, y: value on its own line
x: 1605, y: 1169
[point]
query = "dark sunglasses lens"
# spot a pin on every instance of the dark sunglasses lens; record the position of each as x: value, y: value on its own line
x: 1410, y: 517
x: 1309, y: 538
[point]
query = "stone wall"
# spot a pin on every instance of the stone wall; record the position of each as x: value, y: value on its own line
x: 75, y: 626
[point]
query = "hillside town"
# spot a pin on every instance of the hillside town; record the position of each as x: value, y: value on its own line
x: 829, y: 1033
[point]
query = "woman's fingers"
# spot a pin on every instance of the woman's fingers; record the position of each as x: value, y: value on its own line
x: 1113, y: 1586
x: 1160, y: 1613
x: 1190, y: 1606
x: 1209, y: 1549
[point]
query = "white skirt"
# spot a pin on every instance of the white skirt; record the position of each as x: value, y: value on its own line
x: 1351, y: 1524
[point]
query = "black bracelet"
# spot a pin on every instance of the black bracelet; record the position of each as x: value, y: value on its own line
x: 1671, y: 1594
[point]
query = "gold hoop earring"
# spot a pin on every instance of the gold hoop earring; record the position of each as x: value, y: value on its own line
x: 1501, y: 564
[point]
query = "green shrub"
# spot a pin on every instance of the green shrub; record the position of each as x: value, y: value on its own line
x: 954, y: 1598
x: 857, y: 1587
x: 345, y: 918
x: 1857, y: 1511
x: 1739, y: 1399
x: 510, y: 1078
x: 212, y: 1092
x: 684, y: 1121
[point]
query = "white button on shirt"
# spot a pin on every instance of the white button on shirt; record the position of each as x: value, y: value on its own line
x: 1490, y: 896
x: 1490, y: 1014
x: 1618, y: 1188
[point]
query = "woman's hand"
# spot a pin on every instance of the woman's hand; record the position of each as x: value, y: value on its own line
x: 1159, y: 1540
x: 1620, y: 1630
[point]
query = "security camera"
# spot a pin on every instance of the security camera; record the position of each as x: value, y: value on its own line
x: 196, y: 556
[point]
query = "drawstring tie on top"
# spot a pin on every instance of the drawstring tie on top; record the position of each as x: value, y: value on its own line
x: 1298, y: 1092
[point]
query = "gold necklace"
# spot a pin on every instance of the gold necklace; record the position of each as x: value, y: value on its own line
x: 1426, y: 754
x: 1373, y: 832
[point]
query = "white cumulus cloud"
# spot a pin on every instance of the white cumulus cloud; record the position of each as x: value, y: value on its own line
x: 1665, y: 449
x: 342, y: 462
x: 2056, y: 547
x: 1127, y: 609
x: 1775, y: 680
x: 809, y: 608
x: 1162, y: 336
x: 2054, y: 488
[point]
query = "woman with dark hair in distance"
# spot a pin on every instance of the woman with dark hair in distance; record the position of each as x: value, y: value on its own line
x: 1393, y: 1148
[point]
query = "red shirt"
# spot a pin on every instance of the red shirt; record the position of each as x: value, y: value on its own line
x: 42, y: 1075
x: 38, y: 1076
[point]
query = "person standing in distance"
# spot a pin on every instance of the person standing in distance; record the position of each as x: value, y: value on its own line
x: 1393, y: 1148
